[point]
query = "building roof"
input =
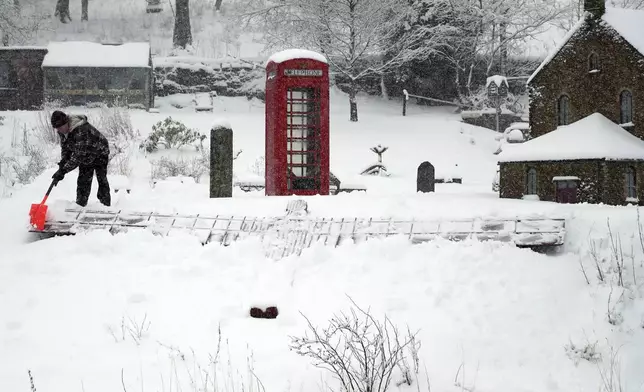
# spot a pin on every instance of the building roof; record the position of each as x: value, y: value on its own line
x: 92, y: 54
x: 290, y: 54
x: 593, y: 137
x: 628, y: 23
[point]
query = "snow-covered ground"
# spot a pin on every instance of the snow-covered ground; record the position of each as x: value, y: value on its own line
x: 99, y: 312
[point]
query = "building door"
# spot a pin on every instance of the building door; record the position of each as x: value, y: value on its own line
x: 566, y: 191
x: 303, y: 134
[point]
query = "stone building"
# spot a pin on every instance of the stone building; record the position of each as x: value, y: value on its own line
x: 21, y: 78
x: 591, y: 160
x: 586, y: 103
x: 598, y: 67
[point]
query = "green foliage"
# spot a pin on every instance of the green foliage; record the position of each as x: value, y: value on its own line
x: 171, y: 134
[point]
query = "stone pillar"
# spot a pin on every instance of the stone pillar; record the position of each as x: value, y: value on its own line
x: 221, y: 161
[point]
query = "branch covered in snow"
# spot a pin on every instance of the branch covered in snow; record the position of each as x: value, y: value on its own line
x: 360, y: 351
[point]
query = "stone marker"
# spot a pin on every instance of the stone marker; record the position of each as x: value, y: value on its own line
x: 425, y: 178
x: 221, y: 161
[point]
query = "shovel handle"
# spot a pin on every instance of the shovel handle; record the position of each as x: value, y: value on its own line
x: 53, y: 184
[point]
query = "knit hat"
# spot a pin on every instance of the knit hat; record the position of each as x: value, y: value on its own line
x: 58, y: 119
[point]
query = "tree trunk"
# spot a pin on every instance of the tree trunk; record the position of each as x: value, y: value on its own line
x: 503, y: 52
x: 353, y: 104
x: 218, y: 5
x: 84, y: 12
x: 62, y: 11
x: 383, y: 87
x: 182, y: 36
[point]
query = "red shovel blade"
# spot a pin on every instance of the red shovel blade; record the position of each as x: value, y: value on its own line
x: 37, y: 214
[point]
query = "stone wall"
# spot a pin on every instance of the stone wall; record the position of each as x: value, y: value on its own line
x: 600, y: 181
x: 621, y: 67
x: 187, y: 75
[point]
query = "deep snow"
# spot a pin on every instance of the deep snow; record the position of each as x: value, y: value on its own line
x: 503, y: 315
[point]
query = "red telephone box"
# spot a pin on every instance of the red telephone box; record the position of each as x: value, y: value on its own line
x: 297, y: 124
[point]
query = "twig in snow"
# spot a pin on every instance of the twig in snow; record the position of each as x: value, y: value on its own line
x: 594, y: 254
x: 583, y: 270
x: 123, y: 381
x: 31, y: 381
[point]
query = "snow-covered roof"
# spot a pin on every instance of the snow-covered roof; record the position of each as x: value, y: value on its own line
x: 92, y: 54
x: 593, y: 137
x: 290, y: 54
x: 627, y: 22
x: 23, y: 48
x: 497, y: 79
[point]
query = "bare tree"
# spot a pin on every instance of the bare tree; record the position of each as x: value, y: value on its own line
x: 359, y: 38
x: 182, y: 36
x: 62, y: 11
x: 634, y: 4
x: 84, y: 9
x: 16, y: 28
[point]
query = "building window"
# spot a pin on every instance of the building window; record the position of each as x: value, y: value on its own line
x: 563, y: 110
x: 630, y: 181
x: 593, y: 63
x: 6, y: 75
x: 626, y: 107
x: 531, y: 182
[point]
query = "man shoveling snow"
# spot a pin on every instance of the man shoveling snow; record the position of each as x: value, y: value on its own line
x: 82, y: 146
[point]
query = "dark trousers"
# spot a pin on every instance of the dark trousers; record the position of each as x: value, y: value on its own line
x: 84, y: 184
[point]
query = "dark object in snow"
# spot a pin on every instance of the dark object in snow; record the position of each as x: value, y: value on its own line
x: 221, y: 162
x: 154, y: 6
x: 270, y: 313
x: 453, y: 180
x: 377, y: 169
x: 425, y: 177
x: 379, y: 150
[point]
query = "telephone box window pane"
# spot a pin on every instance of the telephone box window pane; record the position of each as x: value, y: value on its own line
x: 303, y: 112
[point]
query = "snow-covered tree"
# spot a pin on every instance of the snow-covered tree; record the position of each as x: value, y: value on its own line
x: 358, y: 37
x: 492, y: 29
x: 14, y: 27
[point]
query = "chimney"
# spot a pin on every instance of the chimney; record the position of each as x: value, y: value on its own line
x: 596, y: 8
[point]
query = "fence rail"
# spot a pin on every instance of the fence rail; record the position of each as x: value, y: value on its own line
x: 288, y: 235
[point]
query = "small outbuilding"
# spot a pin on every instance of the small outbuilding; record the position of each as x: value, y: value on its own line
x: 78, y: 73
x: 21, y: 78
x: 593, y: 160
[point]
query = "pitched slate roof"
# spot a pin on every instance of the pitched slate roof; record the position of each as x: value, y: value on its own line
x: 628, y: 23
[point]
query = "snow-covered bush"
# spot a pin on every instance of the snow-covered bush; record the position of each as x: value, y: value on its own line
x: 165, y: 167
x: 44, y: 131
x: 478, y: 100
x: 587, y: 352
x: 115, y: 123
x: 358, y: 337
x: 27, y: 165
x: 259, y: 166
x: 171, y: 134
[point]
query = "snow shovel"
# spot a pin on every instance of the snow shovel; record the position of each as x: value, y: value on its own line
x: 38, y: 212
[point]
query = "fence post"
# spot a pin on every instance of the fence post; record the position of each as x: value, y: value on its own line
x: 405, y: 99
x: 221, y: 161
